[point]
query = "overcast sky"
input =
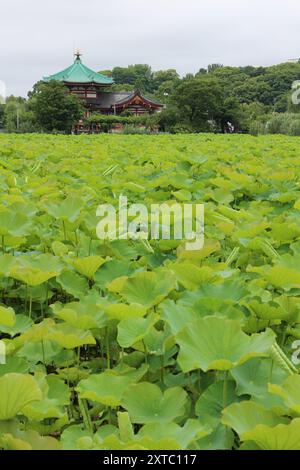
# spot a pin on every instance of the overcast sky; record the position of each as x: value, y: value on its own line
x: 38, y: 37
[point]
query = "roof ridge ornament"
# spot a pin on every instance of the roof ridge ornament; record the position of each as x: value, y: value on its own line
x: 78, y: 55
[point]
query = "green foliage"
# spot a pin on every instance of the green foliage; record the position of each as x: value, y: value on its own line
x: 130, y: 344
x: 199, y: 102
x: 2, y: 108
x: 277, y: 123
x: 17, y: 116
x: 132, y: 124
x: 140, y: 76
x: 54, y: 108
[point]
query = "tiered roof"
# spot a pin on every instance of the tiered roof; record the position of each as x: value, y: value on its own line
x: 78, y: 73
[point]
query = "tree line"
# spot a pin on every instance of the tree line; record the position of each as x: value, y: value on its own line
x: 217, y: 99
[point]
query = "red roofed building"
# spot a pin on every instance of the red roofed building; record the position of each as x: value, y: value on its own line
x: 93, y: 88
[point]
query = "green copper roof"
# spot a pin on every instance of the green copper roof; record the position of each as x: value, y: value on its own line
x: 79, y: 73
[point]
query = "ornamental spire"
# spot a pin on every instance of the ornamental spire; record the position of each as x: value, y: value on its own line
x: 78, y: 54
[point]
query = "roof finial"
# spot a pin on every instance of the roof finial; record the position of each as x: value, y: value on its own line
x: 78, y: 54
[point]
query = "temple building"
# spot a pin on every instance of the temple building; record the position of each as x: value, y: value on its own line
x: 94, y: 89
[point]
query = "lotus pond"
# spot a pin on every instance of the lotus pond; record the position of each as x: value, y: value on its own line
x: 144, y: 345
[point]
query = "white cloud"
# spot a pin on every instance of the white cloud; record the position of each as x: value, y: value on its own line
x: 38, y: 37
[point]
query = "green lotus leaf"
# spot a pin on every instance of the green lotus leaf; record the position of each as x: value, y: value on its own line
x: 227, y: 291
x: 46, y: 409
x: 88, y: 266
x: 217, y: 343
x: 211, y: 403
x: 71, y: 435
x: 73, y: 374
x: 268, y: 311
x: 246, y: 416
x: 7, y: 317
x: 117, y: 284
x: 134, y: 329
x: 59, y: 248
x: 280, y: 276
x: 69, y: 209
x: 45, y: 262
x: 285, y: 232
x: 6, y: 263
x: 107, y: 388
x: 222, y: 438
x: 42, y: 351
x: 125, y: 312
x: 148, y: 288
x: 177, y: 316
x: 210, y: 246
x: 14, y: 223
x: 146, y: 403
x: 37, y: 332
x: 75, y: 437
x: 73, y: 283
x: 158, y: 342
x: 182, y: 195
x: 13, y: 438
x: 57, y: 395
x: 124, y: 250
x: 144, y: 443
x: 197, y: 159
x: 185, y: 436
x: 69, y: 337
x: 112, y: 270
x: 252, y: 378
x: 80, y: 315
x: 9, y: 442
x: 17, y: 391
x: 191, y: 276
x: 280, y: 437
x: 31, y: 276
x: 22, y: 323
x: 289, y: 391
x: 222, y: 196
x: 15, y: 365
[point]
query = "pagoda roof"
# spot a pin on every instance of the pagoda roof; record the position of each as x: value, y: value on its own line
x: 110, y: 99
x: 79, y: 73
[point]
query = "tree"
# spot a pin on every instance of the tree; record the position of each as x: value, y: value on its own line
x: 213, y: 67
x: 2, y: 107
x: 122, y: 87
x: 269, y: 85
x: 165, y: 91
x: 54, y: 108
x: 138, y: 75
x: 169, y: 118
x: 17, y: 117
x: 231, y: 110
x: 249, y: 114
x: 123, y: 75
x: 107, y: 72
x: 143, y: 77
x: 162, y: 76
x: 199, y: 102
x: 230, y: 77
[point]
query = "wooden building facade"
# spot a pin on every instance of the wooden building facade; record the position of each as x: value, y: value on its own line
x: 95, y: 91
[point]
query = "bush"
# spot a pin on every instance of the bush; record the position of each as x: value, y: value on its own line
x: 182, y: 128
x: 256, y: 128
x: 295, y: 127
x: 280, y: 123
x: 135, y: 130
